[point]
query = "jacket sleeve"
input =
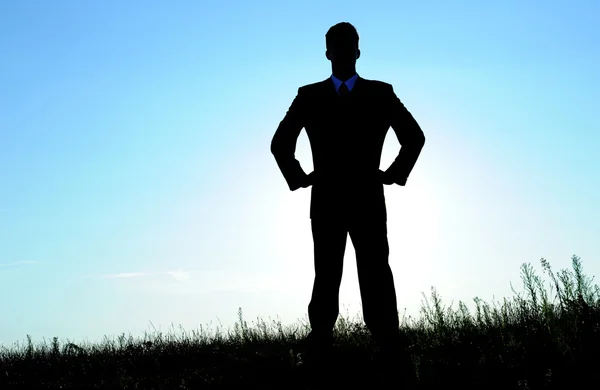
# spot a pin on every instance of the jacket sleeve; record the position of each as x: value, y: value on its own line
x: 409, y: 134
x: 283, y: 145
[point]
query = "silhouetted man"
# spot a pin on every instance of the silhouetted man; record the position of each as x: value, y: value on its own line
x: 346, y: 118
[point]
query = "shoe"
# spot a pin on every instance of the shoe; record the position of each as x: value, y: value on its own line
x: 317, y: 356
x: 318, y: 347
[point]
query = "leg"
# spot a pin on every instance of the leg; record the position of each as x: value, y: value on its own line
x: 377, y: 290
x: 378, y: 293
x: 329, y: 237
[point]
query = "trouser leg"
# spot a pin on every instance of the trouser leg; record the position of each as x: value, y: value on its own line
x: 329, y: 238
x: 377, y: 290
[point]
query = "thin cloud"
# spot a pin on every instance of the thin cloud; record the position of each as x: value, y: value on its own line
x: 179, y: 274
x: 16, y: 263
x: 126, y: 275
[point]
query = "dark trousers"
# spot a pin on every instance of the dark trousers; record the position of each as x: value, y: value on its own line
x: 378, y: 295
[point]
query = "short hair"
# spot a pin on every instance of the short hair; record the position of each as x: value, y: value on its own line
x: 341, y: 32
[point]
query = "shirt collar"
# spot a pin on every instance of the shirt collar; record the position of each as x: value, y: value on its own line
x: 349, y: 83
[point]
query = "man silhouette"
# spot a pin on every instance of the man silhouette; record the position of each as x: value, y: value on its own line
x: 346, y: 118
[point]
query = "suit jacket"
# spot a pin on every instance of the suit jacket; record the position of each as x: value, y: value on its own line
x: 346, y: 136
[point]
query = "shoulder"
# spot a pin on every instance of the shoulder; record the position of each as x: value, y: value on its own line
x: 315, y: 86
x: 377, y: 84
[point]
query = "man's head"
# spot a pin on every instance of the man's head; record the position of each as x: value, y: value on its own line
x: 342, y: 45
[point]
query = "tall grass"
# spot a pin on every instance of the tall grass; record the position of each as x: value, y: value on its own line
x: 546, y: 336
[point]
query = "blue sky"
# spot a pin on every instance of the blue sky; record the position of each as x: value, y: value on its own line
x: 137, y: 185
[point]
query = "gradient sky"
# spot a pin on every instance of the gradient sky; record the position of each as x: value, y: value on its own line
x: 137, y: 187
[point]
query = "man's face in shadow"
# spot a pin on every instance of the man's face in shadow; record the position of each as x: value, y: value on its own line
x: 343, y: 53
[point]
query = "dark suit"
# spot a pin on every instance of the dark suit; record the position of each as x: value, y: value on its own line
x: 346, y: 136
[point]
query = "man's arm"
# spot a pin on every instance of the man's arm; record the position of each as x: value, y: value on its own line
x: 283, y: 145
x: 411, y: 139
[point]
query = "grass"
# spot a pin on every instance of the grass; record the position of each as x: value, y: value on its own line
x: 546, y: 337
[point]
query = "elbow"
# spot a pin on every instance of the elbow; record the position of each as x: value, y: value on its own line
x: 420, y: 139
x: 276, y: 151
x: 274, y: 147
x: 416, y: 141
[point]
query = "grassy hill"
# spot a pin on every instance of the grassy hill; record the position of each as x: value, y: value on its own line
x: 546, y: 337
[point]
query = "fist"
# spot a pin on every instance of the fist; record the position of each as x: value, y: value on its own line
x: 388, y: 180
x: 308, y: 180
x: 385, y: 178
